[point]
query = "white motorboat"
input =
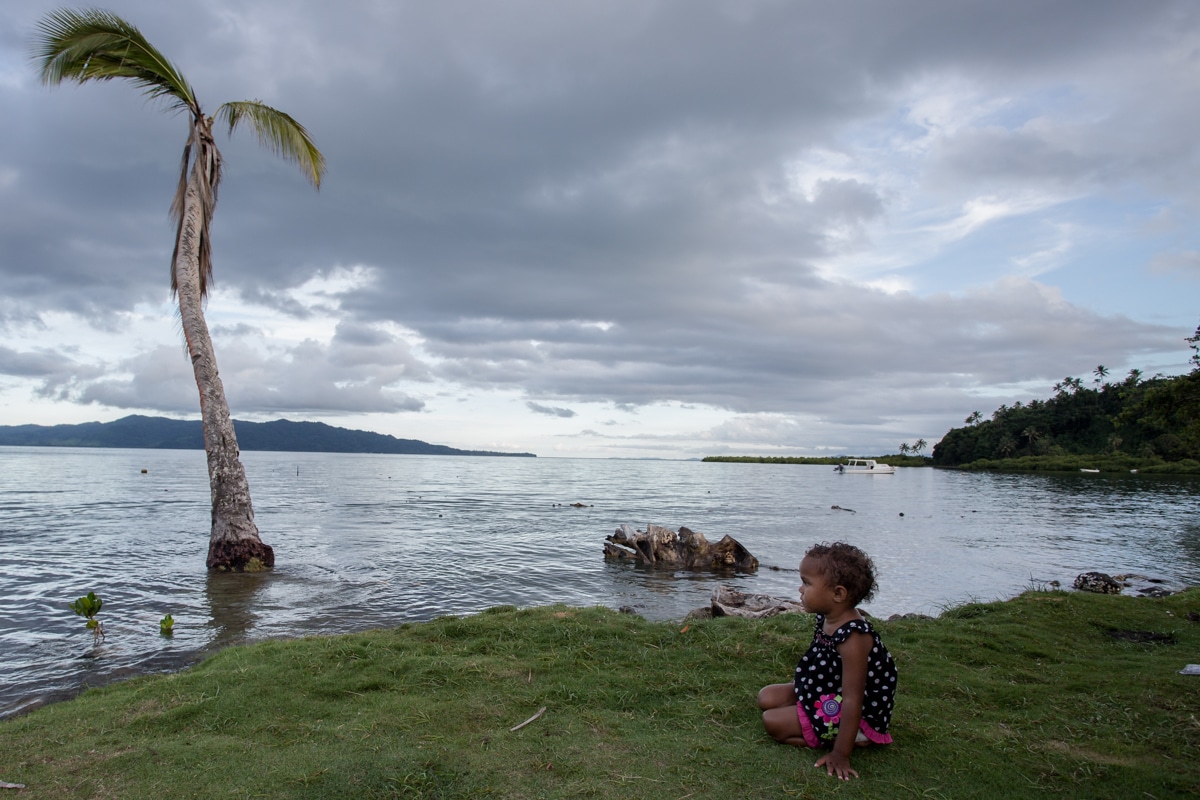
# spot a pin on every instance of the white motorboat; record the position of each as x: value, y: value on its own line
x: 864, y: 466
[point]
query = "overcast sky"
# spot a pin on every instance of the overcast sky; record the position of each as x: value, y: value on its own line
x: 617, y: 229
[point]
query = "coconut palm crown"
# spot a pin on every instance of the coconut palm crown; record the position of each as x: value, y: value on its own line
x: 96, y: 45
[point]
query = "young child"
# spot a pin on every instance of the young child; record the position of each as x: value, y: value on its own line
x: 845, y: 683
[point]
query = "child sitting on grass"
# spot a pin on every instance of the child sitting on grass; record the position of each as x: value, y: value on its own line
x: 846, y: 682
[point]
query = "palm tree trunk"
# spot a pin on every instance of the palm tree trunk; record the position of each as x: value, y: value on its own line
x: 234, y: 543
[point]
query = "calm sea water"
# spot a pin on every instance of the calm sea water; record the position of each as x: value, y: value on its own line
x: 366, y: 541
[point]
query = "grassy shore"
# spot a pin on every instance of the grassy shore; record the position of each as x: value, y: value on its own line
x: 1103, y: 463
x: 1050, y: 693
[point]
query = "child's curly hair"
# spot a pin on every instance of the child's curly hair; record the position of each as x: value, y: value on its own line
x: 845, y: 565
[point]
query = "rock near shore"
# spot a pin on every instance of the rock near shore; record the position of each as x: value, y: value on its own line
x: 1126, y: 583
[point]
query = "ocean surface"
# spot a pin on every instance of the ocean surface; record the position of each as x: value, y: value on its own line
x: 366, y: 541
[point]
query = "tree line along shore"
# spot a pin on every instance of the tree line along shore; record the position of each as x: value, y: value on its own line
x: 1148, y: 425
x: 1135, y: 424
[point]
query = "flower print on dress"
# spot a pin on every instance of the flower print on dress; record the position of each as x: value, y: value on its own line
x: 829, y: 710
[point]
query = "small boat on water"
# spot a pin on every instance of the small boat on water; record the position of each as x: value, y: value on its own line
x: 864, y: 466
x: 1081, y: 469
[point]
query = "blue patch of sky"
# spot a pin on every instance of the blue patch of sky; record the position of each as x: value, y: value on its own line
x: 1051, y: 101
x: 1108, y: 268
x: 985, y: 256
x: 1104, y: 267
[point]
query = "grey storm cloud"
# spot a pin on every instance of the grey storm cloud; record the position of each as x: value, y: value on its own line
x: 55, y: 375
x: 584, y: 202
x: 800, y: 361
x: 550, y: 411
x: 39, y: 364
x: 355, y: 373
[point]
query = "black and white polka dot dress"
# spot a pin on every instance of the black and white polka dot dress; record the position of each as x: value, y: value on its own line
x: 819, y: 686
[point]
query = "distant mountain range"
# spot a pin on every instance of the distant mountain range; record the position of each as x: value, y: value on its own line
x: 161, y: 433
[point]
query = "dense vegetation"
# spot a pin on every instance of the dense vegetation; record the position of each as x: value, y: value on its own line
x: 993, y: 702
x: 1152, y: 425
x: 173, y: 434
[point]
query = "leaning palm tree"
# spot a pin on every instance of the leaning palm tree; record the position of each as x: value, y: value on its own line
x: 94, y: 45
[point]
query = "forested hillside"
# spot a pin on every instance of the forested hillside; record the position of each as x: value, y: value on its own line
x: 176, y: 434
x: 1155, y: 419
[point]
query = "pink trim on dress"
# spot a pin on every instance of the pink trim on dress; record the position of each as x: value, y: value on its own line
x: 870, y: 733
x: 810, y: 736
x: 812, y: 740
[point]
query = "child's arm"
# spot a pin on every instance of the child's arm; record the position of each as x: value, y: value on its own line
x: 855, y: 652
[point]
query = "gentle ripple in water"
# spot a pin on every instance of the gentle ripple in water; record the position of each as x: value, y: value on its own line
x: 366, y: 541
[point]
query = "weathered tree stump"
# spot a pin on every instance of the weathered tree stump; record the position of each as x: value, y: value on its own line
x: 662, y: 547
x: 729, y: 602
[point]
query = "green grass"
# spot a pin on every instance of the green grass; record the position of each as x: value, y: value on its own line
x: 1028, y: 697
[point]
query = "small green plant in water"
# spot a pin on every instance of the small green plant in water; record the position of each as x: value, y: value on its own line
x: 166, y: 625
x: 89, y: 606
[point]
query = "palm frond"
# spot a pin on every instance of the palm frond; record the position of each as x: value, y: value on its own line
x: 177, y: 205
x: 206, y: 172
x: 279, y: 133
x: 96, y: 45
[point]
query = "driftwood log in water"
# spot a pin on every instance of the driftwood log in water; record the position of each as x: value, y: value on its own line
x: 729, y: 602
x: 662, y: 547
